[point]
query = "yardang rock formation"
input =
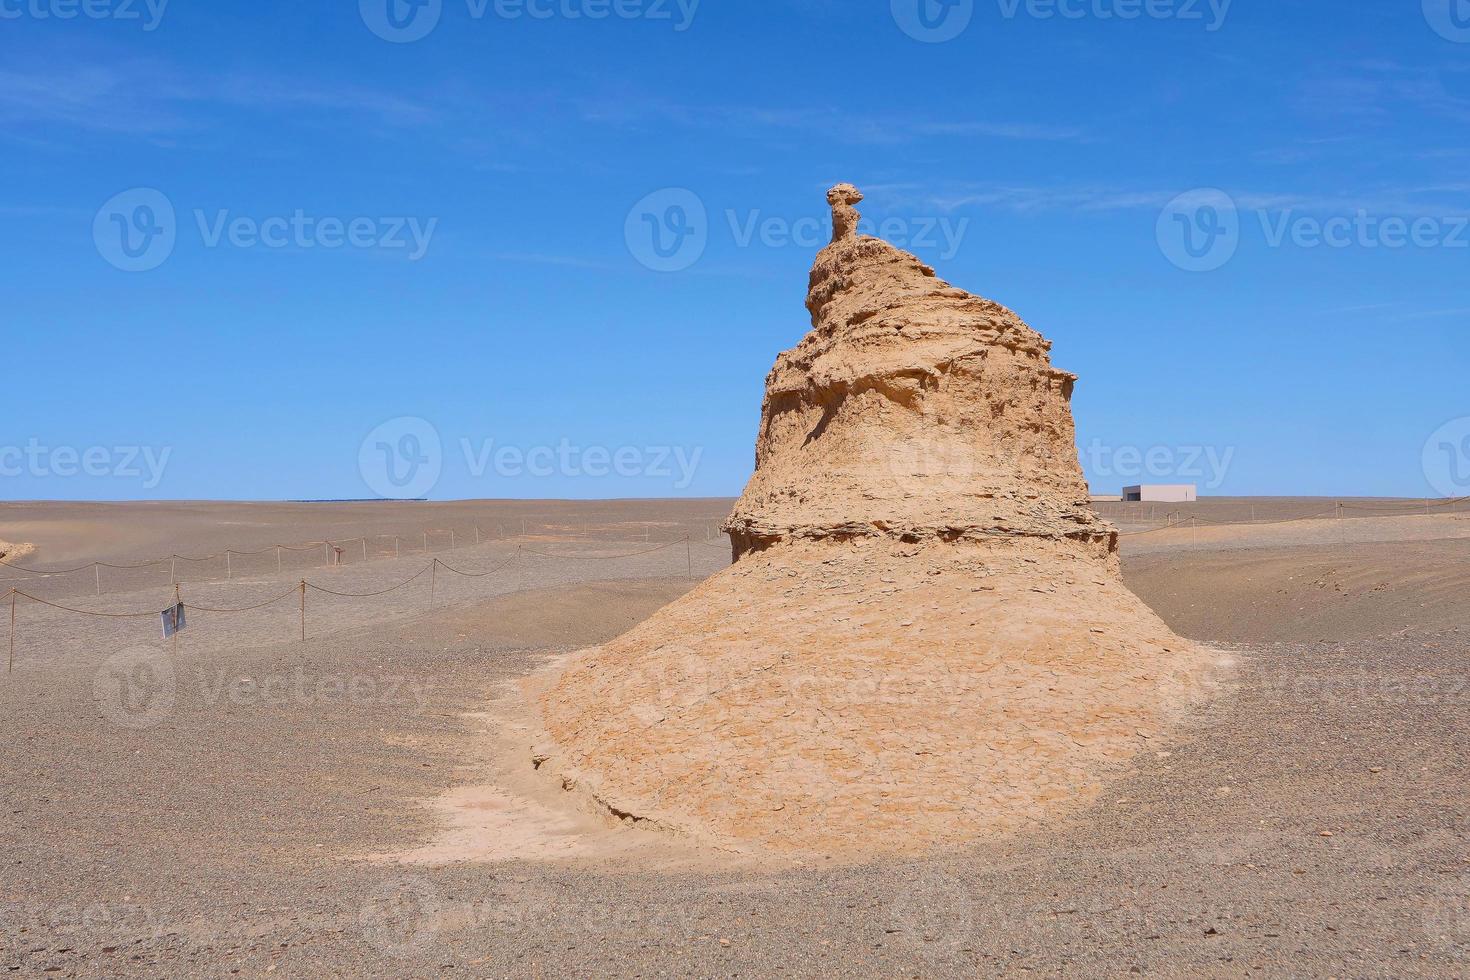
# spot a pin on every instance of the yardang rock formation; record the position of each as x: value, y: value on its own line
x: 925, y: 637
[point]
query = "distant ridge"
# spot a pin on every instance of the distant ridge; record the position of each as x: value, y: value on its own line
x: 364, y: 500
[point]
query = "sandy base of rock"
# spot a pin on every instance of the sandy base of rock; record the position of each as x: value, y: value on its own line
x: 517, y: 811
x: 15, y: 552
x: 857, y: 699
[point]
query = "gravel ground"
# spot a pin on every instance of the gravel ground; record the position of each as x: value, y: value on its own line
x: 208, y: 812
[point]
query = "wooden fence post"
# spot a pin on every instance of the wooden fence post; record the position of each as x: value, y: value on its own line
x: 303, y: 610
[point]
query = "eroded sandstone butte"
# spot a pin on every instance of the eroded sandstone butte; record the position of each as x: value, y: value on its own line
x: 925, y: 637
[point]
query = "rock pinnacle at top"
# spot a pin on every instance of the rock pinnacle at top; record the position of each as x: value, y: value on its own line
x: 845, y: 216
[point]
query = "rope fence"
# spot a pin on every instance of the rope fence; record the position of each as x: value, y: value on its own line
x: 333, y: 553
x: 303, y: 588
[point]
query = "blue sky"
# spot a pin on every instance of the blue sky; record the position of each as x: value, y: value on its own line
x: 370, y: 231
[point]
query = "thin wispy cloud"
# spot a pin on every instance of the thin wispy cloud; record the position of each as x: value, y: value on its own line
x: 829, y: 123
x: 1384, y: 91
x: 1436, y: 314
x: 1435, y: 200
x: 151, y: 100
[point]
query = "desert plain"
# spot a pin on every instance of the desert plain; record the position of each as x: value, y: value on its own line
x: 241, y: 801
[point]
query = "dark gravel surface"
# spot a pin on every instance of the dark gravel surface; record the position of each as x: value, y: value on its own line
x: 207, y: 814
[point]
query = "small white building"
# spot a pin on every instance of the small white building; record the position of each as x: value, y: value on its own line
x: 1162, y: 493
